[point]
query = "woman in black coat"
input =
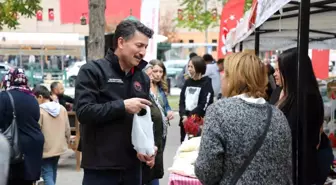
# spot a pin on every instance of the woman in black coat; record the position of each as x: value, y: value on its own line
x: 31, y: 138
x: 151, y: 176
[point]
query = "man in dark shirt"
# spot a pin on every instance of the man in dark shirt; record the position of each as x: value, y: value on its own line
x: 57, y: 94
x: 109, y: 91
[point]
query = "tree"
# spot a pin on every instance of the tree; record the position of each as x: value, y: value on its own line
x: 96, y: 40
x: 195, y: 15
x: 167, y: 27
x: 10, y: 10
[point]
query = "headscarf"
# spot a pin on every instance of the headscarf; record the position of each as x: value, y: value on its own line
x: 147, y: 67
x: 16, y: 79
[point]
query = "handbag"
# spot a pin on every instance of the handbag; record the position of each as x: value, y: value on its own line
x: 12, y: 135
x: 254, y: 150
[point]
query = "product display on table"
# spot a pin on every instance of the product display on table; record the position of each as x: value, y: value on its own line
x: 185, y: 158
x: 142, y: 133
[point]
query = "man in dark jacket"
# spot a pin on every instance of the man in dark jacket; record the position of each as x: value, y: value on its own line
x: 57, y: 90
x: 108, y: 93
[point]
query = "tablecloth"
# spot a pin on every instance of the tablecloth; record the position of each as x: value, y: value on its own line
x: 175, y: 179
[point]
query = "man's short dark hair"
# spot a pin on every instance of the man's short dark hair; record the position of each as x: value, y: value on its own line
x: 208, y: 58
x: 220, y: 61
x: 199, y: 64
x: 192, y: 54
x: 53, y: 85
x: 41, y: 90
x: 127, y: 28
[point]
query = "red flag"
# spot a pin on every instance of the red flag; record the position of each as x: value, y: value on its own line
x: 39, y: 15
x: 232, y: 12
x: 51, y: 14
x: 320, y: 62
x: 253, y: 14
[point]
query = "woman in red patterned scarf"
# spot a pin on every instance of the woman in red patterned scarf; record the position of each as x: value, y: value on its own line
x: 16, y: 79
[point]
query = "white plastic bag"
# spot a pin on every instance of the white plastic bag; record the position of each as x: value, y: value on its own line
x: 142, y: 133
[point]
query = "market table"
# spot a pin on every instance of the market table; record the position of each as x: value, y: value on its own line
x: 175, y: 179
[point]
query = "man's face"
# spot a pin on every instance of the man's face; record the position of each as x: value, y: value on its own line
x: 133, y: 50
x: 60, y: 88
x: 220, y: 66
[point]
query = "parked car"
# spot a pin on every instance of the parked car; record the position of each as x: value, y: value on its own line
x: 174, y: 67
x: 72, y: 72
x: 4, y: 69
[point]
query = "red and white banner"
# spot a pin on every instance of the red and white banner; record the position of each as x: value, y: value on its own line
x: 51, y: 15
x: 232, y: 12
x: 149, y: 15
x: 39, y: 15
x: 260, y: 11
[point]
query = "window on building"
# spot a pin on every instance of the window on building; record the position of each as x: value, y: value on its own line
x: 191, y: 41
x: 214, y: 48
x: 181, y: 41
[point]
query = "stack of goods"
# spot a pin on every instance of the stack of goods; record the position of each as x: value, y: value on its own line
x: 185, y: 158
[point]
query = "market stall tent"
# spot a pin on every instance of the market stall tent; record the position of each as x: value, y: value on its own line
x: 277, y: 23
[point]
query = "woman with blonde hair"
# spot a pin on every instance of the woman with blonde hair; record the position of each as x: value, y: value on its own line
x: 244, y: 139
x: 159, y: 90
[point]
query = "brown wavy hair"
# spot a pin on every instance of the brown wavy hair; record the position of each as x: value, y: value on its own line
x: 245, y: 73
x: 163, y: 83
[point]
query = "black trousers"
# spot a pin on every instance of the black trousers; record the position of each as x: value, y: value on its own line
x: 19, y: 181
x: 112, y: 177
x: 182, y: 132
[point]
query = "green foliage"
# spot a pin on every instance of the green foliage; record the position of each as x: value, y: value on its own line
x: 201, y: 19
x: 11, y: 9
x: 248, y: 5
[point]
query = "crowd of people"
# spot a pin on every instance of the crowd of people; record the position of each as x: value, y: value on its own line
x: 249, y: 111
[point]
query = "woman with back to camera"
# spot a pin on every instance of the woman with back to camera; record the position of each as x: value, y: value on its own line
x: 245, y: 140
x: 31, y: 139
x: 319, y: 152
x: 197, y: 93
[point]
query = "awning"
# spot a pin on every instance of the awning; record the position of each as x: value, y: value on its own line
x: 278, y: 21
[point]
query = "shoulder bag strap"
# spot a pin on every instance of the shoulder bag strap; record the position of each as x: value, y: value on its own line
x: 12, y: 103
x: 254, y: 150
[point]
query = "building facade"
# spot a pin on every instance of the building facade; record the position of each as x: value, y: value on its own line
x: 64, y: 17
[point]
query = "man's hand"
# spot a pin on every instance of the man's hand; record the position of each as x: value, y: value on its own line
x: 170, y: 115
x: 151, y: 163
x: 149, y: 160
x: 134, y: 105
x: 143, y: 158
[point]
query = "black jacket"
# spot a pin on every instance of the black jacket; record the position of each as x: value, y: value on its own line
x: 31, y: 138
x: 157, y: 171
x: 63, y: 99
x: 196, y: 90
x: 101, y: 88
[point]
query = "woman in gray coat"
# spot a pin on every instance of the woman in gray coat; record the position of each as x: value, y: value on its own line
x: 4, y: 159
x: 236, y: 125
